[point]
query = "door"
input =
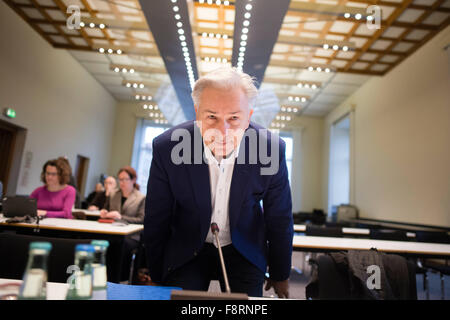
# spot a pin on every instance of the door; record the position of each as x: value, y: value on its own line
x: 81, y: 171
x: 12, y: 141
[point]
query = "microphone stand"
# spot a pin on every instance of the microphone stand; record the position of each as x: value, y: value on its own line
x: 215, y: 231
x: 204, y: 295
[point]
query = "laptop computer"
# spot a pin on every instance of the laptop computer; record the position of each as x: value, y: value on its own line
x: 19, y: 206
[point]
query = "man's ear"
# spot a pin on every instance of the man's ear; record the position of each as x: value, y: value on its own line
x: 250, y: 115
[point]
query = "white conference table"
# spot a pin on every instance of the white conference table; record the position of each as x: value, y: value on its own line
x: 305, y: 243
x: 349, y: 231
x: 115, y: 228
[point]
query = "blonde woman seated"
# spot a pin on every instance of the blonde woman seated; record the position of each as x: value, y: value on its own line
x: 127, y: 203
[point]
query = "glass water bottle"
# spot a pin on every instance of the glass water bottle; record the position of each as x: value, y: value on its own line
x: 99, y: 269
x: 80, y: 282
x: 35, y: 276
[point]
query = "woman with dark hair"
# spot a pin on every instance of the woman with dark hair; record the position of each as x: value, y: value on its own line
x: 55, y: 198
x: 127, y: 203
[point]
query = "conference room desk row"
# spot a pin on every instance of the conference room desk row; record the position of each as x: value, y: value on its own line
x: 348, y: 231
x: 352, y: 240
x: 115, y: 233
x: 395, y: 225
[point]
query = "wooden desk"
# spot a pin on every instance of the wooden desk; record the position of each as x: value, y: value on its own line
x: 309, y: 243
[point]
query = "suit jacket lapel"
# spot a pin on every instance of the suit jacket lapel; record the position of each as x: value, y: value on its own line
x: 239, y: 185
x: 199, y: 179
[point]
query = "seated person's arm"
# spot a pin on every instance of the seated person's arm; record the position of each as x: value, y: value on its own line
x: 139, y: 218
x: 66, y: 212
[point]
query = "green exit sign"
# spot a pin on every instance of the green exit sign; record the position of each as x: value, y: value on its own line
x: 10, y: 113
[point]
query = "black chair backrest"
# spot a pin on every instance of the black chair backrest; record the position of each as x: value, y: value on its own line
x: 388, y: 234
x: 329, y: 283
x: 323, y: 231
x: 430, y: 236
x: 14, y: 255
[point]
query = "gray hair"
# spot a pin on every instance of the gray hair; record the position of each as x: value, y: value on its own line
x: 226, y: 78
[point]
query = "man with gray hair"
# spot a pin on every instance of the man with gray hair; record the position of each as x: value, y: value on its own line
x: 219, y: 179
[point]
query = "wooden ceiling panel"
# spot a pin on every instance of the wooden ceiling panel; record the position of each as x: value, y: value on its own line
x: 406, y: 25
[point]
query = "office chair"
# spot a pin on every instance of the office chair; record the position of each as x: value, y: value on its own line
x: 438, y: 266
x: 432, y: 236
x: 441, y: 267
x: 327, y: 282
x: 138, y: 260
x: 320, y: 231
x: 388, y: 234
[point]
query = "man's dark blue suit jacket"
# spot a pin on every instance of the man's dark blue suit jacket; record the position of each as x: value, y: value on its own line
x: 178, y: 206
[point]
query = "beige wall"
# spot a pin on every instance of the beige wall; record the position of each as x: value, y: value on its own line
x: 65, y: 110
x: 401, y: 165
x: 306, y: 180
x: 123, y: 135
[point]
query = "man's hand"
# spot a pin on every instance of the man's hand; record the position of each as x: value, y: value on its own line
x: 281, y: 287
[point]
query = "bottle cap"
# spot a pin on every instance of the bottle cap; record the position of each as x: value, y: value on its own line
x: 41, y: 245
x: 84, y: 247
x: 100, y: 243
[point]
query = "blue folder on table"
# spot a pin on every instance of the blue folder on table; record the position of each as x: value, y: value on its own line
x: 129, y: 292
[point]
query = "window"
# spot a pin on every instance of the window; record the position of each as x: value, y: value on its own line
x: 143, y: 152
x: 289, y: 151
x: 339, y: 179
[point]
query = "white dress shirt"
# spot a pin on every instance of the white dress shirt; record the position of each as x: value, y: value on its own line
x: 220, y: 174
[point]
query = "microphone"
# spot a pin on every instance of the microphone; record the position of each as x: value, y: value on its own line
x: 215, y: 232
